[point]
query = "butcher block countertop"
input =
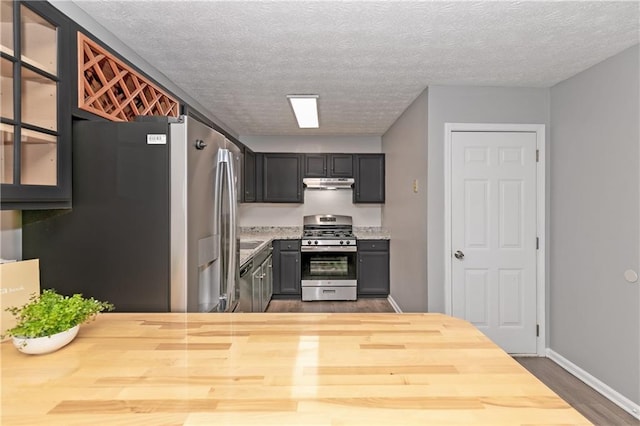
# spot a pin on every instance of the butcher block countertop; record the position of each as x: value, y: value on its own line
x: 266, y: 368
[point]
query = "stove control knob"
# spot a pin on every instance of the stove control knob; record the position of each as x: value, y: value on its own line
x: 348, y: 242
x: 315, y: 242
x: 341, y: 242
x: 309, y: 242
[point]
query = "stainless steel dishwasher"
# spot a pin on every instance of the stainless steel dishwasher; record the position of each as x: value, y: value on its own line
x: 261, y: 280
x: 256, y: 282
x: 244, y: 302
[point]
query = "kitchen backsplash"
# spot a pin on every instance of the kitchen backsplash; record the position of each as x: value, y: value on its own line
x: 315, y: 202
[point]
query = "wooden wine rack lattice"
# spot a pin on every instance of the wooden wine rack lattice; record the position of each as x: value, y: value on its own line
x: 111, y: 89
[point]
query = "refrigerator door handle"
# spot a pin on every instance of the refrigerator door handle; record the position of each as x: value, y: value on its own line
x: 233, y: 204
x: 217, y: 200
x: 225, y: 169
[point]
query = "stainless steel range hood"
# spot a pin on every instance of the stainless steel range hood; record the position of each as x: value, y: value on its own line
x: 328, y: 183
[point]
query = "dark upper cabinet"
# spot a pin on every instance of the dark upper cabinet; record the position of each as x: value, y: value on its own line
x: 328, y: 165
x: 35, y: 160
x: 369, y: 178
x: 315, y: 165
x: 340, y: 165
x: 282, y: 178
x: 249, y: 177
x: 373, y: 268
x: 286, y: 268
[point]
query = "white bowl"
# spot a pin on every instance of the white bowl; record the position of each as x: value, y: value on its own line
x: 44, y: 345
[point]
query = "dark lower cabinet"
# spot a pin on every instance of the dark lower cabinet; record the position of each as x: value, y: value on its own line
x: 369, y: 178
x: 373, y: 268
x: 282, y: 178
x: 286, y: 269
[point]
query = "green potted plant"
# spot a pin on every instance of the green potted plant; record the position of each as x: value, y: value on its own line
x: 50, y: 320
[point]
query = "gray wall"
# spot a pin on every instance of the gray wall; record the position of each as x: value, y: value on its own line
x: 404, y: 214
x: 595, y: 215
x: 467, y: 105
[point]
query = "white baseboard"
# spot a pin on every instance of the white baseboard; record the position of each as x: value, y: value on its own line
x: 394, y: 305
x: 614, y: 396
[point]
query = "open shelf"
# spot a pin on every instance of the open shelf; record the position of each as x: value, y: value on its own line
x: 111, y: 89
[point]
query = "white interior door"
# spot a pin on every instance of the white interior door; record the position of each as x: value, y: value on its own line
x: 493, y: 235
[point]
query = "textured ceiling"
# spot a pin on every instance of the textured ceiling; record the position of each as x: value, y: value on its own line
x: 366, y: 60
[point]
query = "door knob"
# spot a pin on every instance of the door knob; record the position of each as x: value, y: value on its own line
x: 459, y: 255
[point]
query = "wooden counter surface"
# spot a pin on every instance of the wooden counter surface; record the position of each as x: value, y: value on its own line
x: 299, y: 369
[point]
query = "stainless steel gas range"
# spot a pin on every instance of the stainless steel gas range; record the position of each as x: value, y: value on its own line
x: 329, y: 254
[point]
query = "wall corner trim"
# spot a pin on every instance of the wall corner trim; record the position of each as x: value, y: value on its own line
x: 614, y: 396
x: 394, y: 305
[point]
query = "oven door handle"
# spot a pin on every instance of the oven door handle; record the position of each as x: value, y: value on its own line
x: 332, y: 249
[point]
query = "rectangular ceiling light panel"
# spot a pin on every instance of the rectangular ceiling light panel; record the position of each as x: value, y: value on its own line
x: 305, y: 107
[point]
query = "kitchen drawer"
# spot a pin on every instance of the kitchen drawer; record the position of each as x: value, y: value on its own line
x: 329, y: 293
x: 289, y: 244
x: 373, y: 245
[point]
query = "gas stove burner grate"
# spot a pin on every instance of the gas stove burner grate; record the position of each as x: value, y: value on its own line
x: 328, y: 230
x: 327, y: 234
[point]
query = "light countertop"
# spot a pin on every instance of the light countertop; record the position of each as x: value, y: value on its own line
x: 284, y: 369
x: 371, y: 233
x: 267, y: 234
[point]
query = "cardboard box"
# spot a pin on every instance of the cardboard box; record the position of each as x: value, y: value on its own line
x: 18, y: 281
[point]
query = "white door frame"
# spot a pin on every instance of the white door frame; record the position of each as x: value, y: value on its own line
x: 539, y: 130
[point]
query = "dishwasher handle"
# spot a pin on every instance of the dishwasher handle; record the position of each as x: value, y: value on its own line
x: 247, y: 268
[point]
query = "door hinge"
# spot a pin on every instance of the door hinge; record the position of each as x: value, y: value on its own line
x: 537, y: 330
x: 537, y: 243
x: 537, y: 155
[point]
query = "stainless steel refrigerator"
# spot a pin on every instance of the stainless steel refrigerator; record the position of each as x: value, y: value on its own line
x: 153, y: 226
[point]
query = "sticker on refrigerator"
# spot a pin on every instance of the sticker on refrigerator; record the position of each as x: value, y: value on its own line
x: 156, y: 139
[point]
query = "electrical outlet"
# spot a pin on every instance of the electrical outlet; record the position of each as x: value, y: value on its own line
x: 415, y: 186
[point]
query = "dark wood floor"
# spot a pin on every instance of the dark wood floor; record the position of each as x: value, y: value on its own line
x: 361, y: 305
x: 591, y: 404
x: 595, y: 407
